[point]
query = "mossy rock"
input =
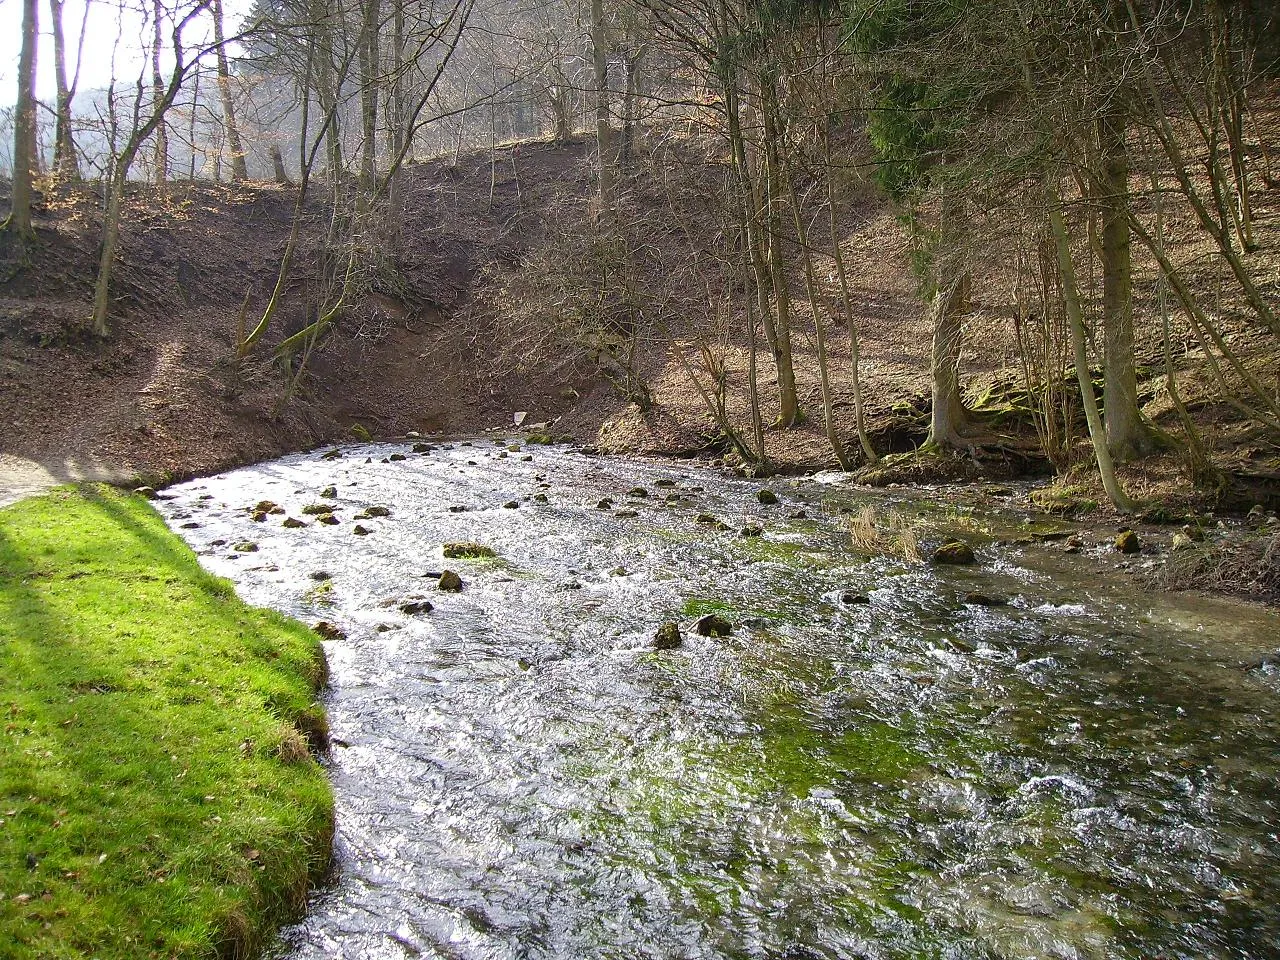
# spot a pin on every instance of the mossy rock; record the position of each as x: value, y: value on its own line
x: 1128, y: 542
x: 767, y: 497
x: 317, y: 509
x: 467, y: 550
x: 668, y: 637
x: 955, y: 553
x: 1062, y: 501
x: 712, y: 625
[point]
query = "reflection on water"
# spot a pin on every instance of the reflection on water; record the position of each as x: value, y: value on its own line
x: 1084, y: 772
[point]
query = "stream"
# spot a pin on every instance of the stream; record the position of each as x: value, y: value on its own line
x: 875, y: 763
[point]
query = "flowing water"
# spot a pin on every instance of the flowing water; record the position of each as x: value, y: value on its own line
x: 1088, y: 771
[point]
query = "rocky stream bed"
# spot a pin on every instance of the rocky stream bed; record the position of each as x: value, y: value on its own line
x: 1033, y: 755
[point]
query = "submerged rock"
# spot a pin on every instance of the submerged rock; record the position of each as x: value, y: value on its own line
x: 292, y: 523
x: 328, y: 519
x: 397, y: 457
x: 985, y: 600
x: 361, y: 531
x: 540, y: 497
x: 1128, y: 542
x: 333, y: 454
x: 955, y: 552
x: 604, y: 503
x: 377, y: 512
x: 627, y: 514
x: 247, y: 546
x: 329, y: 493
x: 767, y: 497
x: 637, y: 492
x: 317, y: 509
x: 668, y: 637
x: 413, y: 607
x: 450, y: 582
x: 260, y: 517
x: 752, y: 531
x: 511, y: 505
x: 857, y: 598
x: 422, y: 448
x: 328, y: 631
x: 712, y: 625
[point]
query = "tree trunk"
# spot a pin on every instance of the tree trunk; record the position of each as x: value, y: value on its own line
x: 757, y: 253
x: 368, y: 42
x: 157, y: 89
x: 1075, y: 317
x: 18, y: 223
x: 948, y: 416
x: 106, y: 257
x: 790, y: 413
x: 326, y: 87
x: 629, y: 101
x: 277, y: 166
x: 604, y: 133
x: 65, y: 160
x: 1127, y: 434
x: 397, y: 134
x: 239, y: 168
x: 820, y: 337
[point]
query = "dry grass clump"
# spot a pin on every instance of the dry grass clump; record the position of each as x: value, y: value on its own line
x: 1248, y: 568
x: 889, y: 535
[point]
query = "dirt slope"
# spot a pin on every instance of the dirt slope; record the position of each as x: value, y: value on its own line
x: 431, y: 346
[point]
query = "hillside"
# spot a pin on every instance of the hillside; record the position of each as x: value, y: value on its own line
x: 440, y: 344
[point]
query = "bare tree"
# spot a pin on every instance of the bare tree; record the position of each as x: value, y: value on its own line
x: 18, y: 223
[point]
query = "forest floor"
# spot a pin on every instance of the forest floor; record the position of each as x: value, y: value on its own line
x: 165, y: 396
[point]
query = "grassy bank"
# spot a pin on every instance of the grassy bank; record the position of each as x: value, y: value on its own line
x: 157, y: 796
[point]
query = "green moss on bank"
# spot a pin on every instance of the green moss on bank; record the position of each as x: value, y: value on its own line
x: 157, y: 798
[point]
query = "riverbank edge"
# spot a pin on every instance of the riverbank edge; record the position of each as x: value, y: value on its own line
x: 209, y: 862
x: 1226, y: 558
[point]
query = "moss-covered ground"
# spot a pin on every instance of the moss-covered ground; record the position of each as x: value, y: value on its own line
x: 157, y: 794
